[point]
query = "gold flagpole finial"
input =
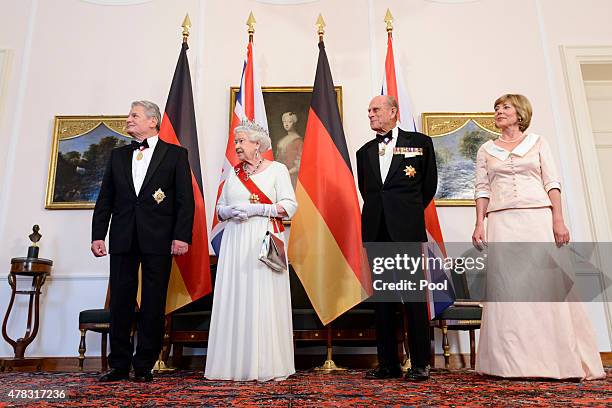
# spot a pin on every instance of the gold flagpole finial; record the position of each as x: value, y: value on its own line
x: 320, y: 27
x: 389, y: 21
x: 186, y: 27
x: 251, y: 24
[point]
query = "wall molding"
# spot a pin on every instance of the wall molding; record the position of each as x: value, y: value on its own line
x: 5, y: 64
x: 572, y: 58
x: 452, y: 1
x: 564, y: 151
x: 286, y: 2
x: 116, y: 2
x: 14, y: 135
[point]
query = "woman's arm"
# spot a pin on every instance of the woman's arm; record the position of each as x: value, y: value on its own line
x: 560, y: 231
x: 479, y: 238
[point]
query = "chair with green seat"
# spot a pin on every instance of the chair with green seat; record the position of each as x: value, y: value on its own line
x: 464, y: 314
x: 98, y: 320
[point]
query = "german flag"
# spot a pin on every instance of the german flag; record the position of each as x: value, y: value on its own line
x: 190, y: 277
x: 325, y: 247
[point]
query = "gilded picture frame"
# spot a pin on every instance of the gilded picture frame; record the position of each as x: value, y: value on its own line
x: 456, y: 138
x: 286, y: 144
x: 79, y: 152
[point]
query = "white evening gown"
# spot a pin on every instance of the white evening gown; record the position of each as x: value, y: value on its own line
x: 251, y: 334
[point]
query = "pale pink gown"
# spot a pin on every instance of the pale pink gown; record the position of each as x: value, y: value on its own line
x: 528, y: 339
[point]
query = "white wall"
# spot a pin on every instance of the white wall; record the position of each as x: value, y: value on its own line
x: 74, y: 57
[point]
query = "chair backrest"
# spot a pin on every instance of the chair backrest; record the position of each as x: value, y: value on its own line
x: 469, y: 282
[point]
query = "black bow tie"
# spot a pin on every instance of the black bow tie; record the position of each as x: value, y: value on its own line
x: 386, y: 138
x: 139, y: 145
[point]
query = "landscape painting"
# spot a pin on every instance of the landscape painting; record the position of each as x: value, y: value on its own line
x: 81, y: 148
x: 456, y: 138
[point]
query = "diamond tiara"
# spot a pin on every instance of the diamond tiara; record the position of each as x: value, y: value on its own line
x: 251, y: 125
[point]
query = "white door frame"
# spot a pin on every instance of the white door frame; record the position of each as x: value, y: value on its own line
x: 573, y: 57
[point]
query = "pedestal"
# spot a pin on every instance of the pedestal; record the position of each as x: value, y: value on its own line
x: 37, y: 269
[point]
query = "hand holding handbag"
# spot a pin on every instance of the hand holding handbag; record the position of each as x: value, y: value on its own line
x: 272, y: 251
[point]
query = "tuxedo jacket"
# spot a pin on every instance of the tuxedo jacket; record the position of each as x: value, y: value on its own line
x: 402, y: 198
x: 155, y: 223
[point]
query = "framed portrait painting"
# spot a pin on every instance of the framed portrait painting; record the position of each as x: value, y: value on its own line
x: 456, y: 138
x: 287, y: 113
x: 81, y: 147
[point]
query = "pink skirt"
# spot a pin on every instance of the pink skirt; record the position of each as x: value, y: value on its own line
x: 533, y: 339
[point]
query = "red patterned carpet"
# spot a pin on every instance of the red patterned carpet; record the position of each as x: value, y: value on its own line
x: 305, y: 389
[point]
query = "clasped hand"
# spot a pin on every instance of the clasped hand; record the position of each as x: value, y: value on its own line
x: 241, y: 212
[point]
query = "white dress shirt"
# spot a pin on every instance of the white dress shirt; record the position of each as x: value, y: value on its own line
x: 385, y: 160
x: 139, y: 167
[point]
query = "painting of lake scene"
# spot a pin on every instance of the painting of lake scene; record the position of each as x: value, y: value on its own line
x: 81, y: 148
x: 456, y: 138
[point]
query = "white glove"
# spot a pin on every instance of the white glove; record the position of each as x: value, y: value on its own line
x: 226, y: 212
x: 262, y: 210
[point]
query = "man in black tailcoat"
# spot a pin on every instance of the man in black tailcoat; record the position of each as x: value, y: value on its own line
x: 147, y: 197
x: 397, y: 178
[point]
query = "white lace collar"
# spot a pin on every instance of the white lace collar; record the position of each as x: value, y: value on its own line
x: 502, y: 154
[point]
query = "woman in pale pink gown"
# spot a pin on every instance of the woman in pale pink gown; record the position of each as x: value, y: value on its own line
x: 519, y: 192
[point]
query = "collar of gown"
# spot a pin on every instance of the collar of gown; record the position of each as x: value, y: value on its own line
x: 520, y: 150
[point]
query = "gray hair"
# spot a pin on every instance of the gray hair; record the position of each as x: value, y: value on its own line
x: 392, y: 102
x: 255, y: 133
x: 151, y: 110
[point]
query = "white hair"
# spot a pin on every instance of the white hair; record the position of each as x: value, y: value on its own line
x: 255, y: 133
x: 151, y: 110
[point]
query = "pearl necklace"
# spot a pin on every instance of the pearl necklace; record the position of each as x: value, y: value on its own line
x: 250, y: 173
x: 509, y: 141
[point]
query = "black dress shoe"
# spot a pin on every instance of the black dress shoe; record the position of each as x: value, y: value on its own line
x: 417, y: 374
x: 383, y: 372
x: 142, y: 376
x: 115, y: 375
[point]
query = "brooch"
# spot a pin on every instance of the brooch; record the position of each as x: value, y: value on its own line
x: 410, y: 171
x: 159, y: 196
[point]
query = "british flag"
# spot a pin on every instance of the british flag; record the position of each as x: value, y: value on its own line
x: 249, y: 104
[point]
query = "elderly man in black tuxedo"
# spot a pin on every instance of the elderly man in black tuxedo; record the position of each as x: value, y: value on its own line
x: 397, y: 179
x: 147, y: 197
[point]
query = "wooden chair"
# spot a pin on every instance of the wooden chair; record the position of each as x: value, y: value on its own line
x: 98, y: 320
x: 464, y: 314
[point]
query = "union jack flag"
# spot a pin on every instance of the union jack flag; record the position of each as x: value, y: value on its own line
x: 249, y: 104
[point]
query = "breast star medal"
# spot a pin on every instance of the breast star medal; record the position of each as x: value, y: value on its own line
x: 254, y: 198
x: 410, y: 171
x: 159, y: 196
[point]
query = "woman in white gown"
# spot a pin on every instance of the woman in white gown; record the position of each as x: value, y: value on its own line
x: 518, y: 190
x: 251, y: 335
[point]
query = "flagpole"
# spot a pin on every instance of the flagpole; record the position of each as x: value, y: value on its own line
x: 160, y: 366
x: 329, y: 365
x: 251, y: 24
x: 186, y: 27
x: 389, y: 22
x: 405, y: 365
